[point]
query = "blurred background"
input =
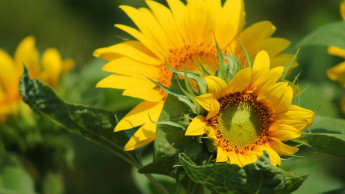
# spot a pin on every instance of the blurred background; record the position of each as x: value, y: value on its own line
x: 78, y: 27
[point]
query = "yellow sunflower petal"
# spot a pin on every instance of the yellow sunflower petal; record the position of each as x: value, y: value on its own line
x: 142, y: 19
x: 26, y: 53
x: 9, y: 77
x: 140, y: 37
x: 337, y: 73
x: 278, y: 96
x: 197, y: 126
x: 233, y: 157
x: 125, y: 82
x: 268, y: 79
x: 233, y: 14
x: 240, y: 81
x: 261, y: 64
x: 257, y: 31
x: 156, y: 31
x: 165, y: 18
x: 342, y: 10
x: 151, y: 95
x: 274, y: 46
x: 143, y: 136
x: 211, y: 134
x: 273, y: 155
x: 52, y: 64
x: 222, y: 156
x: 178, y: 10
x: 140, y: 115
x: 145, y: 90
x: 67, y: 65
x: 295, y: 116
x: 281, y: 147
x: 210, y: 104
x: 282, y: 59
x: 283, y: 132
x: 137, y: 69
x: 216, y: 86
x: 250, y: 157
x: 333, y: 50
x: 132, y: 49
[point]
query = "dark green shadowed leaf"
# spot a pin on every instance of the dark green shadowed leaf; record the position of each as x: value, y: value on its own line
x: 328, y: 35
x: 259, y: 177
x: 92, y: 123
x: 325, y: 134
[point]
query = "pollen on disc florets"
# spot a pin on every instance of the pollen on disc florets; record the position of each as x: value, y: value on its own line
x: 241, y: 123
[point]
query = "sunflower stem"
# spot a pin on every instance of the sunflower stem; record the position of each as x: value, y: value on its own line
x: 159, y: 186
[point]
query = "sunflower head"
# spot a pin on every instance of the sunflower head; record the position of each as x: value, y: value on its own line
x: 49, y: 70
x: 249, y: 112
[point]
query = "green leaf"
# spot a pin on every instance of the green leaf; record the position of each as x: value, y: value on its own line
x: 327, y: 135
x: 13, y: 177
x: 94, y: 124
x: 171, y: 140
x: 223, y: 68
x: 203, y: 69
x: 328, y: 35
x: 53, y: 183
x: 233, y: 66
x: 179, y: 95
x: 288, y: 67
x: 202, y: 86
x: 188, y: 84
x: 259, y: 177
x: 336, y: 191
x: 248, y: 57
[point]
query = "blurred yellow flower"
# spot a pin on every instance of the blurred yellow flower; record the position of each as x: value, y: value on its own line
x: 250, y: 114
x: 48, y: 71
x: 337, y: 73
x: 183, y: 35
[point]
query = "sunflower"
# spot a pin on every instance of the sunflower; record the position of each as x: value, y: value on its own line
x: 183, y: 36
x: 337, y: 73
x: 49, y: 72
x: 250, y: 114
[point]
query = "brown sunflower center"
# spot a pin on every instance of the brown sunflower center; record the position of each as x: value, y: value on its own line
x: 241, y: 123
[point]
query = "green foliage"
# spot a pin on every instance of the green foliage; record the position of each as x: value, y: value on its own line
x: 53, y: 183
x: 202, y: 86
x: 328, y: 35
x: 259, y: 177
x: 92, y: 123
x: 287, y: 68
x: 327, y: 135
x: 170, y: 140
x: 13, y: 177
x: 248, y: 57
x: 228, y: 71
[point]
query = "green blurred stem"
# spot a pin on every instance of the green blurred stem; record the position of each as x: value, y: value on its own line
x: 157, y: 184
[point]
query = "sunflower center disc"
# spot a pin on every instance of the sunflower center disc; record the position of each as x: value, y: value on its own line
x: 240, y: 124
